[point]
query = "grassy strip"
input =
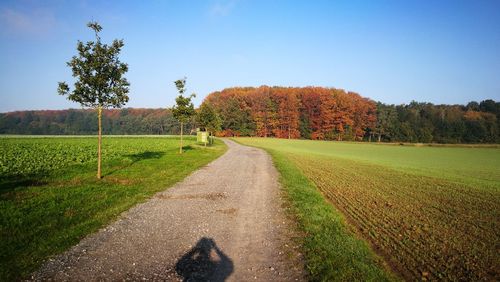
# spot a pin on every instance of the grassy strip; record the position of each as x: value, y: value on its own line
x: 45, y: 215
x: 332, y: 252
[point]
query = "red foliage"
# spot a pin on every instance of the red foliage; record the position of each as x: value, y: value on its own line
x: 327, y: 113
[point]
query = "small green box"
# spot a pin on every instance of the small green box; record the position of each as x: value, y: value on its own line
x: 201, y: 136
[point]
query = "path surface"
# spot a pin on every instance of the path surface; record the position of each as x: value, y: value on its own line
x: 223, y: 222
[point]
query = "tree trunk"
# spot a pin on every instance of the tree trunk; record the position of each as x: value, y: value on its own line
x: 99, y: 118
x: 182, y: 127
x: 379, y: 137
x: 370, y: 137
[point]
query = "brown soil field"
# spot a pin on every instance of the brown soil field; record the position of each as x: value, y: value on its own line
x: 425, y: 227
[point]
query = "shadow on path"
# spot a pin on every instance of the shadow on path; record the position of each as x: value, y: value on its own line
x: 204, y: 262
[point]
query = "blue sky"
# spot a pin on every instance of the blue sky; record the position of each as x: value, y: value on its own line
x: 390, y: 51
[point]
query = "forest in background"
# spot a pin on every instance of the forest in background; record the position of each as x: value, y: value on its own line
x: 127, y: 121
x: 285, y: 112
x: 335, y: 114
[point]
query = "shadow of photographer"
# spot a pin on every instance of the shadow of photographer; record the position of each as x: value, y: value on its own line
x: 204, y: 262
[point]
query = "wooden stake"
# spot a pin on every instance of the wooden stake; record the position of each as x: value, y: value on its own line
x: 99, y: 116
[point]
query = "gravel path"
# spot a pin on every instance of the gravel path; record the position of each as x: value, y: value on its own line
x: 223, y: 222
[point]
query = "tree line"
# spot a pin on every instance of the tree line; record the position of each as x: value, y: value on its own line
x: 336, y: 114
x: 127, y: 121
x: 299, y: 114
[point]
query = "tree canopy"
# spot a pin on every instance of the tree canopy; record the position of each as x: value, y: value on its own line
x: 208, y: 118
x: 98, y: 73
x: 183, y: 109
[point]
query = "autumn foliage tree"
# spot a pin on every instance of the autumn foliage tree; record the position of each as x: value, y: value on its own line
x: 290, y: 112
x: 99, y: 79
x: 287, y: 114
x: 335, y: 114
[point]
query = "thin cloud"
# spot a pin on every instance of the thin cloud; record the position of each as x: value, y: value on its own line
x: 222, y: 8
x: 38, y: 22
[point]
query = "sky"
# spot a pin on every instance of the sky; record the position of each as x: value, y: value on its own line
x: 444, y: 52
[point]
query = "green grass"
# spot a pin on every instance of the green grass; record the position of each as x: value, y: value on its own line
x: 52, y: 198
x: 431, y: 213
x: 463, y: 164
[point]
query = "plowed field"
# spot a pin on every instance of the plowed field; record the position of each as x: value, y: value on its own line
x: 429, y: 217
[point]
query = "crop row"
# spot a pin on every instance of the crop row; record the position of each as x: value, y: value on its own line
x: 427, y: 228
x: 21, y: 156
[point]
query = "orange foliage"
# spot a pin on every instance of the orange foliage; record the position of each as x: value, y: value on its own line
x: 327, y: 113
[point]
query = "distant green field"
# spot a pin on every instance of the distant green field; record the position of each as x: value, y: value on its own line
x: 430, y: 212
x: 50, y: 197
x: 469, y: 164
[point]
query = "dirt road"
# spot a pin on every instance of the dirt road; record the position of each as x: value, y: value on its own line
x: 223, y: 222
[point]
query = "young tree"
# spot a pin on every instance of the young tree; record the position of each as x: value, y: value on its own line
x: 184, y: 108
x: 209, y: 119
x: 99, y: 79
